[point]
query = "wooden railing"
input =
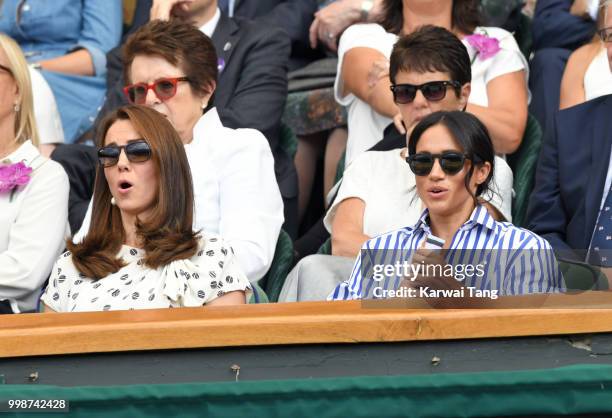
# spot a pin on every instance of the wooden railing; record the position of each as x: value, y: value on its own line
x: 293, y: 323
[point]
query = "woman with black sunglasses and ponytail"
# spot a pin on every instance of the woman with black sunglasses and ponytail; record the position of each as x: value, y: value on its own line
x: 499, y: 93
x: 141, y: 251
x: 452, y: 158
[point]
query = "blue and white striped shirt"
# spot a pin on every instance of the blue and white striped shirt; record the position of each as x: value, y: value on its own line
x: 514, y: 260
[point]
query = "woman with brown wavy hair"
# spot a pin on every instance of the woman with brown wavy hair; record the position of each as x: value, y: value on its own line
x: 141, y: 251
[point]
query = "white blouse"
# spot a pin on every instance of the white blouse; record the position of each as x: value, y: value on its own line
x: 366, y: 126
x: 235, y: 190
x: 209, y: 274
x: 33, y: 228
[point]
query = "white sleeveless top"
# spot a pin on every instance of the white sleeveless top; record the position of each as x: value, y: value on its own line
x: 598, y: 78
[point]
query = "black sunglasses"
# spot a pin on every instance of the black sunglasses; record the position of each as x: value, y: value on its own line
x: 137, y: 151
x: 433, y: 91
x: 422, y: 163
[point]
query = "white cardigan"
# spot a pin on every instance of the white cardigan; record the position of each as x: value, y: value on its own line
x: 33, y: 227
x: 235, y: 190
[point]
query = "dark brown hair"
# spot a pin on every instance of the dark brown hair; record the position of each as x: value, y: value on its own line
x: 430, y: 49
x: 182, y: 45
x: 168, y: 235
x: 466, y: 15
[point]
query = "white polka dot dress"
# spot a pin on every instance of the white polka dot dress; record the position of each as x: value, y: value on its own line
x: 210, y: 273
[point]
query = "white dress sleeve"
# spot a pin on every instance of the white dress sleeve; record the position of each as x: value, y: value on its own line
x: 211, y: 273
x: 355, y: 183
x: 363, y: 35
x: 508, y: 60
x: 57, y: 294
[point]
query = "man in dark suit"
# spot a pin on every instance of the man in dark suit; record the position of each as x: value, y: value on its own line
x: 293, y: 16
x: 571, y: 175
x: 559, y: 27
x: 251, y: 92
x: 571, y: 205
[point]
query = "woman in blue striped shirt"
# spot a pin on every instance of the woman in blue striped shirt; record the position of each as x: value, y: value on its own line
x: 452, y: 156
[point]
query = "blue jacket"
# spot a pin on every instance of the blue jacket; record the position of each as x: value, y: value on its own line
x: 571, y: 175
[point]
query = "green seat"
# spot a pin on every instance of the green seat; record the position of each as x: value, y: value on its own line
x: 524, y: 36
x: 325, y: 248
x: 582, y: 276
x: 258, y: 296
x: 523, y: 163
x: 273, y: 281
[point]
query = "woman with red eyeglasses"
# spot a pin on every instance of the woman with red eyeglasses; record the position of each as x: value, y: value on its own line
x: 455, y: 244
x: 172, y: 68
x: 141, y: 251
x: 499, y: 71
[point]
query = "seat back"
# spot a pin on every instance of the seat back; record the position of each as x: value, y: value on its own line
x: 523, y: 163
x: 273, y: 281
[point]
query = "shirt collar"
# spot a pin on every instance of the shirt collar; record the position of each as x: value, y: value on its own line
x: 209, y: 27
x: 480, y: 216
x: 26, y: 153
x: 208, y: 122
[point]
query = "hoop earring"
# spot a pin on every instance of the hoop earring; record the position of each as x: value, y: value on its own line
x: 113, y: 201
x: 16, y: 107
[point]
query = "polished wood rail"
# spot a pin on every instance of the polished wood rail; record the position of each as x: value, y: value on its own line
x: 294, y: 323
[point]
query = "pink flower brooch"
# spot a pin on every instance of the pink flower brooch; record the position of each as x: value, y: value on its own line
x: 13, y: 176
x: 485, y: 46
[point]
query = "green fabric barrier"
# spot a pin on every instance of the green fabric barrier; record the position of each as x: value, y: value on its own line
x: 579, y: 389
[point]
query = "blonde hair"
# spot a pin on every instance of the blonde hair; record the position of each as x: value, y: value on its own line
x: 25, y: 122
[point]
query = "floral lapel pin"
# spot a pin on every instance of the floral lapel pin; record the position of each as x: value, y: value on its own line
x: 486, y: 47
x: 13, y: 176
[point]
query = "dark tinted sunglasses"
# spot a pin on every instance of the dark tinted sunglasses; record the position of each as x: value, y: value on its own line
x: 422, y: 163
x: 433, y: 91
x: 136, y: 151
x: 164, y: 89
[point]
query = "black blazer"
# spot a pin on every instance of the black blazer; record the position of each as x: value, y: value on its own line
x: 571, y: 174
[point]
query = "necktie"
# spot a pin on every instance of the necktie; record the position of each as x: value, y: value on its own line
x: 601, y: 245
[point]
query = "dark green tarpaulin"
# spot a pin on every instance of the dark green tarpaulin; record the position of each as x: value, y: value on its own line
x: 577, y: 389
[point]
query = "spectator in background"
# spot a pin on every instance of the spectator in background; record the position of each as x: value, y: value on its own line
x: 33, y: 191
x: 499, y: 86
x: 141, y: 241
x: 172, y: 67
x: 559, y: 27
x: 571, y: 203
x: 587, y: 74
x: 67, y: 40
x: 250, y: 93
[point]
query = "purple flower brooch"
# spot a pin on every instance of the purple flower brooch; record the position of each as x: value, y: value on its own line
x: 485, y: 46
x: 12, y: 176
